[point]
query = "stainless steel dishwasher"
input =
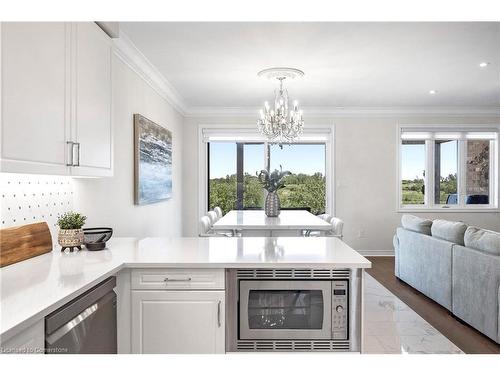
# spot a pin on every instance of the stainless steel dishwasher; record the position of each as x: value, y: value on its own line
x: 85, y: 325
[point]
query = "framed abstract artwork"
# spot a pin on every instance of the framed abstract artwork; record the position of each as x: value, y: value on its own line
x: 153, y: 161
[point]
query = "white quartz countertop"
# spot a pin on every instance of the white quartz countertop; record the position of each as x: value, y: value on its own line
x: 257, y: 219
x: 32, y: 289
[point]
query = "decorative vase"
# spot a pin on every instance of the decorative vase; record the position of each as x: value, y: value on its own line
x: 70, y: 238
x: 272, y: 205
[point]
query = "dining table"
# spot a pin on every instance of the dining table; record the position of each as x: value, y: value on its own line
x: 255, y: 223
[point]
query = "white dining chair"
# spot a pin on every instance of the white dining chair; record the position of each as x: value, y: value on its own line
x: 316, y: 233
x: 205, y: 226
x: 218, y: 211
x: 206, y: 229
x: 337, y: 227
x: 336, y: 230
x: 212, y: 215
x: 325, y: 217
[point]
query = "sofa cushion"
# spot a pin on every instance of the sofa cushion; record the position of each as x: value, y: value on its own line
x: 452, y: 231
x: 483, y: 240
x: 476, y: 292
x: 416, y: 224
x: 424, y: 262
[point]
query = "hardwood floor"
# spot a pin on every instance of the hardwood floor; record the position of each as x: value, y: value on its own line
x: 458, y: 332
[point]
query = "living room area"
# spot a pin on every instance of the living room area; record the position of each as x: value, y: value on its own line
x: 434, y: 156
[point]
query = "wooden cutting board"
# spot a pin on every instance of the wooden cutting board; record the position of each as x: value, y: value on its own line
x: 24, y: 242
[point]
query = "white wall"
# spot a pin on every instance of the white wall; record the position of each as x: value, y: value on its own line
x: 110, y: 201
x: 365, y: 176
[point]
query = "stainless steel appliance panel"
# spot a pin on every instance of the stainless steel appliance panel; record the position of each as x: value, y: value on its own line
x: 86, y: 325
x: 291, y: 309
x: 340, y: 308
x: 345, y: 322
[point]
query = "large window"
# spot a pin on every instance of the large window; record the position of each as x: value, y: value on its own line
x: 448, y: 168
x: 413, y: 172
x: 253, y: 160
x: 306, y: 187
x: 233, y: 169
x: 445, y: 171
x: 477, y: 173
x: 222, y: 182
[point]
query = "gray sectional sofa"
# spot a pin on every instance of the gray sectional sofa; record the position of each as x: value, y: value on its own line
x: 455, y: 265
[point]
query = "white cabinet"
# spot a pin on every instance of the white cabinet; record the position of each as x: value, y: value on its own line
x: 34, y: 92
x: 187, y: 320
x: 55, y: 89
x: 92, y: 124
x: 29, y: 341
x: 172, y: 322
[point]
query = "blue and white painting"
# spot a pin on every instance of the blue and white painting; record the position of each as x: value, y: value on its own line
x: 153, y: 161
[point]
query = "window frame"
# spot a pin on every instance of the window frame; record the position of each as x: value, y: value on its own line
x: 326, y: 131
x: 429, y: 179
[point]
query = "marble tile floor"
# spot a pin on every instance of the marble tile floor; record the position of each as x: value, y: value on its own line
x: 391, y: 327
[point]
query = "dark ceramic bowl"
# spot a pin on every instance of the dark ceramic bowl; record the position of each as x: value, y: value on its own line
x: 97, y: 234
x: 95, y: 246
x: 95, y: 238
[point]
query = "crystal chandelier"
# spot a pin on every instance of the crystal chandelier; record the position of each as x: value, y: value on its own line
x: 281, y: 124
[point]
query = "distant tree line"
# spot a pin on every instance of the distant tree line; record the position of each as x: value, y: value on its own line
x: 301, y: 190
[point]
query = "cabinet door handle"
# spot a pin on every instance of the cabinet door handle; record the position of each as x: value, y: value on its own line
x: 77, y: 144
x: 69, y: 146
x: 218, y: 313
x: 168, y: 279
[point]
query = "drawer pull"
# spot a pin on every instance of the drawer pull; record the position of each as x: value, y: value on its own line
x: 168, y: 279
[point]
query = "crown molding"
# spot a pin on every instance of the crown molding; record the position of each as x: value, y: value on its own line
x: 126, y: 50
x: 340, y: 112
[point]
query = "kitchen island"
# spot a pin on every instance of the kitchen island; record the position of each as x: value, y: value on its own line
x: 32, y: 289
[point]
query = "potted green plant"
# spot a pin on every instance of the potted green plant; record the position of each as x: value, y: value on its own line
x: 70, y: 230
x: 272, y: 182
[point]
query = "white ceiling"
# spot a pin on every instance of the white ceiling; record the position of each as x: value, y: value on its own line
x: 345, y: 64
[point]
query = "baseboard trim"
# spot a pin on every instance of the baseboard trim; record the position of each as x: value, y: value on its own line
x: 377, y: 253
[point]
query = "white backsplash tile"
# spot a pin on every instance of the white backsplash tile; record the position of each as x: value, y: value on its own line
x: 27, y: 199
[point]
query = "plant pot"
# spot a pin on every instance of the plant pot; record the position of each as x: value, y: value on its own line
x: 272, y: 205
x: 69, y: 238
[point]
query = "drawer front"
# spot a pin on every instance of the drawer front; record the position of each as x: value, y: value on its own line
x: 178, y: 279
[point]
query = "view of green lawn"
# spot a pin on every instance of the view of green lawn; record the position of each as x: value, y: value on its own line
x: 413, y: 190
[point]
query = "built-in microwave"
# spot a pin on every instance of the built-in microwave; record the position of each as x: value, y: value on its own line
x: 298, y: 309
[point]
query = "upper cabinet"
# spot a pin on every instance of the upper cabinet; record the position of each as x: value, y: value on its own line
x: 56, y: 99
x: 34, y: 93
x: 92, y: 100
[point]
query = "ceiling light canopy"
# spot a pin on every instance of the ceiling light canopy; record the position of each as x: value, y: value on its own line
x: 432, y: 92
x: 281, y: 124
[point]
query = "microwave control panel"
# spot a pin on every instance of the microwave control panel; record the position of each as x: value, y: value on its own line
x: 340, y: 309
